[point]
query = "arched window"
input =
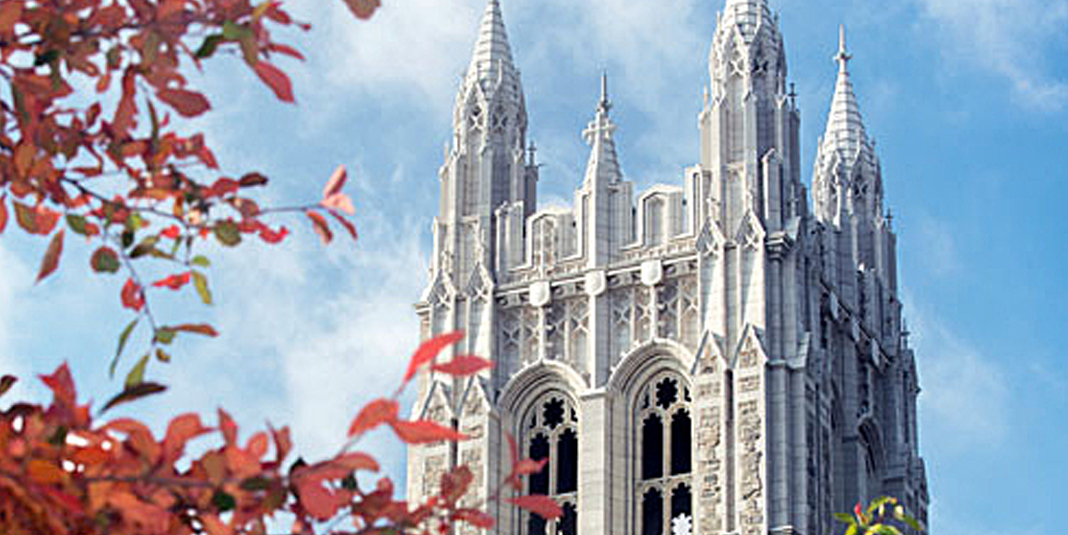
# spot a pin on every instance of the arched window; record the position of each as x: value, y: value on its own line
x: 665, y: 486
x: 551, y: 431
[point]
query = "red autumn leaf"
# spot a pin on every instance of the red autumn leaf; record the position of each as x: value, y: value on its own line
x: 3, y: 213
x: 186, y: 103
x: 320, y: 226
x: 372, y: 415
x: 174, y: 282
x: 252, y: 179
x: 363, y: 8
x: 180, y: 431
x: 476, y: 518
x: 357, y: 461
x: 282, y: 442
x: 463, y: 365
x: 133, y: 297
x: 272, y: 236
x: 335, y: 182
x: 529, y: 466
x: 228, y: 427
x: 455, y: 482
x: 171, y: 232
x: 196, y: 328
x: 543, y: 506
x: 45, y: 472
x: 318, y: 501
x: 51, y: 258
x: 341, y: 202
x: 345, y: 223
x: 62, y: 385
x: 285, y: 49
x: 276, y: 80
x: 10, y: 12
x: 429, y: 350
x: 425, y: 432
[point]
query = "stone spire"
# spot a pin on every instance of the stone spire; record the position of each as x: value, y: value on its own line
x: 747, y: 15
x: 492, y: 57
x: 845, y: 127
x: 603, y: 165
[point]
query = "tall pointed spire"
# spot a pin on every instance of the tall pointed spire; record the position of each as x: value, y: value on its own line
x: 492, y: 53
x: 845, y: 127
x: 603, y: 165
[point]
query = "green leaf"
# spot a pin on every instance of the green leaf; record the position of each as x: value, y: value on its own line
x: 59, y: 438
x: 165, y: 336
x: 131, y: 393
x: 104, y: 260
x: 77, y: 224
x: 880, y: 504
x: 883, y: 529
x: 912, y: 523
x: 122, y: 344
x: 147, y: 246
x: 209, y: 46
x: 6, y: 382
x: 851, y: 530
x: 201, y: 260
x: 137, y: 374
x: 46, y: 58
x: 227, y: 233
x: 256, y: 483
x: 223, y: 501
x: 127, y: 238
x: 201, y: 284
x: 848, y: 519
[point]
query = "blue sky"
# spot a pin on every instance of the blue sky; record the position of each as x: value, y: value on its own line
x: 967, y: 99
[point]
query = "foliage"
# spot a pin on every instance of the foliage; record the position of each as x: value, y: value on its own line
x: 877, y: 519
x: 95, y: 140
x: 63, y: 471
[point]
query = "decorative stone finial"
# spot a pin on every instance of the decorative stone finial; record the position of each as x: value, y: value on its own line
x: 843, y: 56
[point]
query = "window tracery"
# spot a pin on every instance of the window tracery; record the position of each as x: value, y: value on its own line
x: 664, y: 486
x: 552, y: 433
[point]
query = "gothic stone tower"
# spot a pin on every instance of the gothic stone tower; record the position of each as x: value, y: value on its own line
x: 707, y: 358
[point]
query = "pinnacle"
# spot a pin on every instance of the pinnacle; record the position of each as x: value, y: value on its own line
x: 845, y: 127
x: 492, y: 53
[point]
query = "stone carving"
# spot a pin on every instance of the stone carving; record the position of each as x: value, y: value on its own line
x: 433, y: 468
x: 750, y: 427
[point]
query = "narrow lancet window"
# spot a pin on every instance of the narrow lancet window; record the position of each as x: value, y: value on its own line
x: 665, y: 442
x: 552, y: 435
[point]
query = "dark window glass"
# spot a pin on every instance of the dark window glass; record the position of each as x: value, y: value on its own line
x: 680, y: 443
x: 568, y: 524
x: 539, y: 449
x: 535, y: 525
x: 554, y: 413
x: 652, y: 513
x: 667, y: 391
x: 681, y: 501
x: 652, y: 447
x: 567, y: 462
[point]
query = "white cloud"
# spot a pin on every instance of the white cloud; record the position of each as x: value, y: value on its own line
x: 1009, y: 37
x: 964, y: 403
x: 415, y: 48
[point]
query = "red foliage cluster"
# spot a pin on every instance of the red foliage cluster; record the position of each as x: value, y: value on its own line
x: 63, y: 472
x: 90, y: 144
